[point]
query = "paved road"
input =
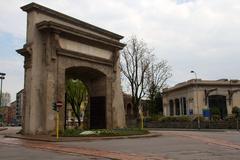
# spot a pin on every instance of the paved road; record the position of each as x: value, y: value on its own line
x: 12, y: 152
x: 12, y: 149
x: 179, y: 145
x: 175, y: 145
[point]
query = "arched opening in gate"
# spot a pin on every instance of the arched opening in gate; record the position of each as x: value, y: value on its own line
x: 218, y: 104
x: 95, y: 82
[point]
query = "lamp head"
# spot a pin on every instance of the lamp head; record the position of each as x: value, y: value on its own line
x: 2, y: 74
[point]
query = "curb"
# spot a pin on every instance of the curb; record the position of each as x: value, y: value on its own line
x: 74, y: 139
x: 195, y: 130
x: 3, y: 129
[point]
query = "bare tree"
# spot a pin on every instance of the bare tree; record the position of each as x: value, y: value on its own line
x: 157, y: 75
x: 135, y: 61
x: 143, y: 73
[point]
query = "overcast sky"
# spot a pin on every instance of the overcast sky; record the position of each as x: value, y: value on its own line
x: 200, y: 35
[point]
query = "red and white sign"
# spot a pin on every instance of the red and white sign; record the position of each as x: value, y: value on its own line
x: 59, y: 104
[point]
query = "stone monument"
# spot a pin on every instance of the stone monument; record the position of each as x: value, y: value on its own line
x: 59, y: 47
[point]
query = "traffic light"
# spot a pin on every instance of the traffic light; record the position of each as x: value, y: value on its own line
x: 54, y: 106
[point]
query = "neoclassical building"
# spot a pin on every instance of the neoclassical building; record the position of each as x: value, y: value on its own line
x: 195, y: 97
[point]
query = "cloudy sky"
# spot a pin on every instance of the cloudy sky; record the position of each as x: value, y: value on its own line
x: 200, y: 35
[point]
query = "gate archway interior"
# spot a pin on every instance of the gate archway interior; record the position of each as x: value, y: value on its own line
x: 219, y: 102
x: 95, y: 82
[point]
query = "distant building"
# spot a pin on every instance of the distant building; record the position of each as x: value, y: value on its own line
x: 130, y: 111
x: 6, y: 99
x: 19, y: 107
x: 7, y: 115
x: 1, y: 116
x: 199, y: 96
x: 12, y: 113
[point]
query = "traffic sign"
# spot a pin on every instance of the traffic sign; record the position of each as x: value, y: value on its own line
x: 59, y: 104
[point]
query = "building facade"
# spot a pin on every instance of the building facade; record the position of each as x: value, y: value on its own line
x: 199, y: 96
x: 6, y: 99
x: 7, y: 115
x: 19, y: 106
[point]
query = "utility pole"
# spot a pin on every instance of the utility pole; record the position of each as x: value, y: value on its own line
x: 2, y: 78
x: 198, y: 115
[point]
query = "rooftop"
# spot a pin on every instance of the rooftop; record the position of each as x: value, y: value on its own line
x: 200, y: 82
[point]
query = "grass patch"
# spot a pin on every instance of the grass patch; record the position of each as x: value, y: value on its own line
x: 104, y: 132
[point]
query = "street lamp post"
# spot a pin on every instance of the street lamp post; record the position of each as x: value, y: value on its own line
x: 198, y: 116
x: 2, y: 78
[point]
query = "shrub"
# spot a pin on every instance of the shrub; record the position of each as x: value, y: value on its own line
x: 104, y: 132
x: 175, y: 119
x: 155, y: 117
x: 230, y: 118
x: 71, y: 132
x: 201, y: 118
x: 215, y: 111
x: 167, y: 119
x: 235, y: 111
x: 216, y: 117
x: 184, y: 119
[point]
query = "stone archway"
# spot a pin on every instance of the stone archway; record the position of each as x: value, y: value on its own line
x: 95, y: 81
x: 56, y: 44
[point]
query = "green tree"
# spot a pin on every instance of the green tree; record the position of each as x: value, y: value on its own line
x: 155, y: 104
x: 235, y: 111
x: 215, y: 113
x: 77, y: 95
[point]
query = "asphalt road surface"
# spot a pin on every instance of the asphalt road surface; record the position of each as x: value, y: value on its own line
x: 175, y: 145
